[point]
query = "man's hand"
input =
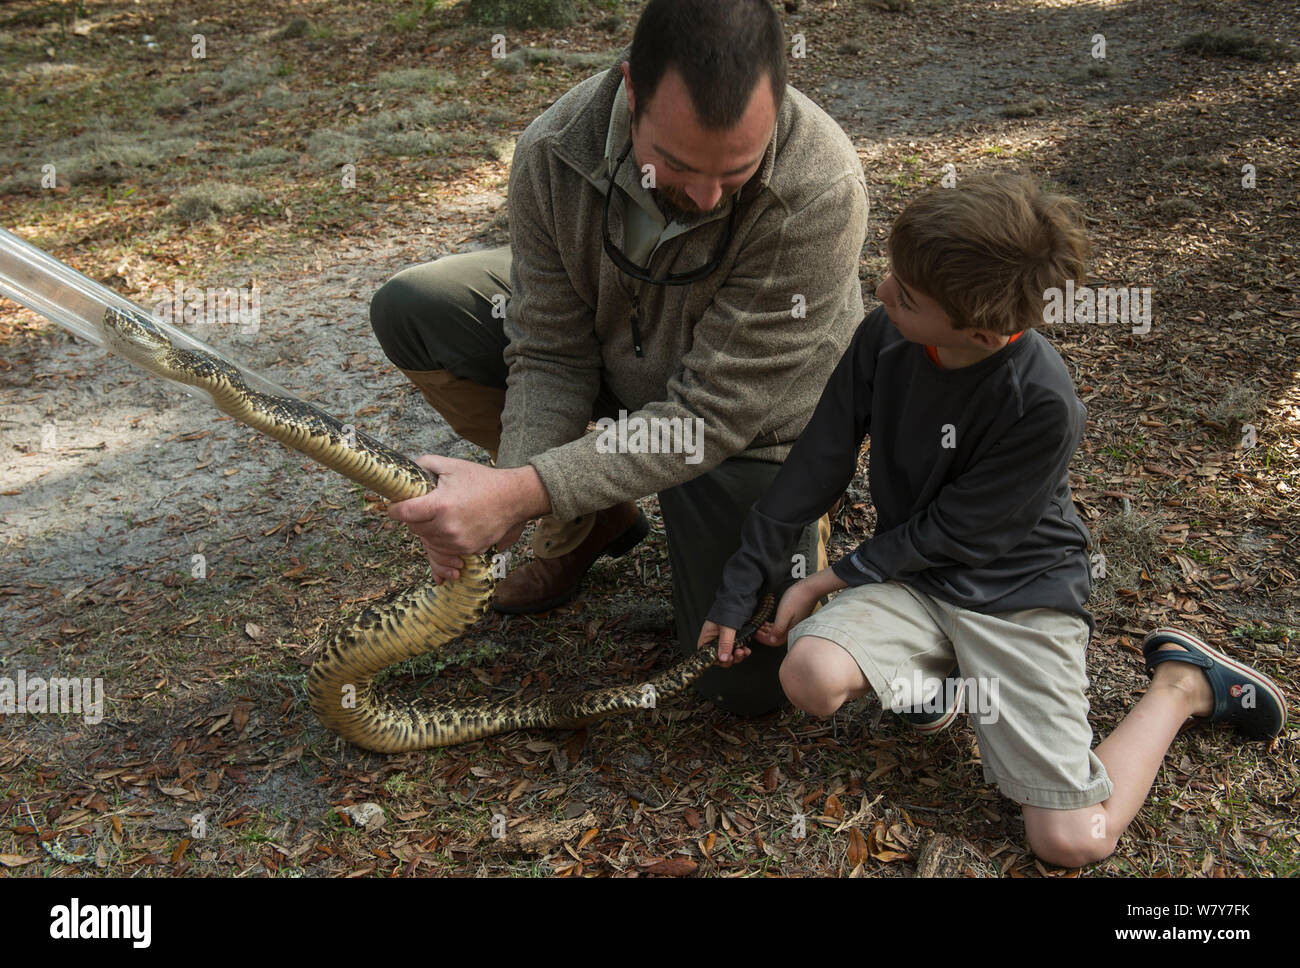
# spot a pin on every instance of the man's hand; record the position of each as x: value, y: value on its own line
x: 473, y: 508
x: 726, y: 643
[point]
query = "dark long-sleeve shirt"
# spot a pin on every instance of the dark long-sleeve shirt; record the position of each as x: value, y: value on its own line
x: 968, y: 471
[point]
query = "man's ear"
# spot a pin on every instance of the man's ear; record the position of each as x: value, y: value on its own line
x: 627, y: 83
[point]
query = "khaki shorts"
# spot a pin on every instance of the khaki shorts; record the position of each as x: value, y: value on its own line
x: 1024, y: 673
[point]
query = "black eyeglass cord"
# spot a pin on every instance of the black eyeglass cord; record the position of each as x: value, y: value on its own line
x: 636, y: 325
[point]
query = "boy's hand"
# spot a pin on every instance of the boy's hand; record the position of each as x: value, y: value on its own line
x: 796, y: 605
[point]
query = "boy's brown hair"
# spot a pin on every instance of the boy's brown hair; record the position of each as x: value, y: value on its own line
x: 987, y: 249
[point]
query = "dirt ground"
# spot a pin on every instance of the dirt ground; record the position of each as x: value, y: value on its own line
x: 223, y: 171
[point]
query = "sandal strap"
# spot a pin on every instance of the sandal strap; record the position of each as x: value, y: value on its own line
x: 1174, y: 655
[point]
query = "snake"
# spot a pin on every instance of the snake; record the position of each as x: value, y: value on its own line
x: 340, y: 683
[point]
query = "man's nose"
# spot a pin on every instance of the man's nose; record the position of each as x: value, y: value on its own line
x: 707, y: 196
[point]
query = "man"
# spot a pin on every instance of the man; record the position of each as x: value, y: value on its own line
x: 713, y: 285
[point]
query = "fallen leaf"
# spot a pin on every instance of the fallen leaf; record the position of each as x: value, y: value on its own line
x: 15, y: 860
x: 673, y: 867
x: 857, y: 847
x: 834, y: 809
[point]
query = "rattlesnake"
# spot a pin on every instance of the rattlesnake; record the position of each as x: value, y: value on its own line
x: 415, y: 621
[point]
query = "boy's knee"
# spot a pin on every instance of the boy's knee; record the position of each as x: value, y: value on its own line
x: 1070, y: 838
x: 806, y: 685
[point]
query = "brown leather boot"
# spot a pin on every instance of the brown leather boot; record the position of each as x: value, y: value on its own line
x: 546, y: 583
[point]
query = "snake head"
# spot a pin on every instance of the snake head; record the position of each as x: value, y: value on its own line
x: 134, y: 333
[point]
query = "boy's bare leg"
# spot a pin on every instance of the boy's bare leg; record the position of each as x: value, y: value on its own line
x: 1132, y: 755
x: 818, y: 676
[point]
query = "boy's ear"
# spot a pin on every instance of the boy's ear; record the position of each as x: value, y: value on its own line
x: 985, y: 337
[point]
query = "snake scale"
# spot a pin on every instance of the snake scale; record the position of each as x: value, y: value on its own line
x: 418, y: 620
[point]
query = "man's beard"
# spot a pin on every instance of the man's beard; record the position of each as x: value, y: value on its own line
x: 676, y: 206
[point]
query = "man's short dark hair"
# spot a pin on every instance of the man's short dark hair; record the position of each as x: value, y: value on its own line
x: 719, y: 47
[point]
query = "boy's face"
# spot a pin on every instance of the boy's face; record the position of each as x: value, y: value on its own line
x: 921, y: 320
x: 916, y: 316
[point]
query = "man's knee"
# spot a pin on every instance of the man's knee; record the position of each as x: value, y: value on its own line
x: 437, y: 315
x: 394, y: 310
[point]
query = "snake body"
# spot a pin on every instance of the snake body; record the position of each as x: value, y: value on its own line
x: 421, y: 619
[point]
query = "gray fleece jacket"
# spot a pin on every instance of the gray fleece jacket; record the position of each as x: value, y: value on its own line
x: 747, y: 350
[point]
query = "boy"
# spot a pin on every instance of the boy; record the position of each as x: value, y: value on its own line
x: 979, y: 559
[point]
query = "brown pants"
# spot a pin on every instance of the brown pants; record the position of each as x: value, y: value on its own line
x: 436, y: 323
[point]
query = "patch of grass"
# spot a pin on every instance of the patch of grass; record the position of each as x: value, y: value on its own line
x: 298, y: 27
x: 1265, y: 633
x: 1129, y: 543
x: 109, y: 156
x: 521, y: 13
x: 408, y: 143
x: 416, y: 11
x: 521, y: 58
x: 911, y: 174
x: 412, y: 79
x: 213, y: 198
x: 1025, y: 109
x: 46, y: 13
x: 397, y: 784
x: 238, y: 78
x: 1125, y: 449
x: 279, y: 98
x: 168, y: 98
x: 1202, y: 555
x: 407, y: 119
x: 1236, y: 407
x: 1198, y: 163
x: 1176, y: 208
x: 262, y: 157
x: 405, y: 131
x: 329, y: 149
x: 1234, y: 42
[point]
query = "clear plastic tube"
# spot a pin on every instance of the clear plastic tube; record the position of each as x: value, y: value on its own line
x: 40, y: 282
